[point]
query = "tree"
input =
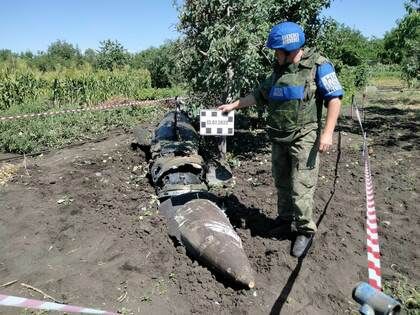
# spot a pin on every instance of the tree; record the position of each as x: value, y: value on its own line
x: 343, y: 45
x: 375, y: 48
x: 111, y: 55
x: 161, y: 63
x: 61, y: 53
x: 42, y: 62
x: 90, y: 56
x: 401, y: 44
x: 223, y: 53
x: 6, y: 55
x: 60, y: 49
x: 27, y: 55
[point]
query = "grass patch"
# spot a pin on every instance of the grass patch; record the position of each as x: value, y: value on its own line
x: 409, y: 295
x: 385, y: 82
x: 386, y: 77
x: 29, y: 136
x: 7, y: 171
x: 36, y: 134
x: 402, y: 99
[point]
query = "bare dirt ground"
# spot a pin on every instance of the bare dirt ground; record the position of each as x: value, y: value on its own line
x: 81, y: 225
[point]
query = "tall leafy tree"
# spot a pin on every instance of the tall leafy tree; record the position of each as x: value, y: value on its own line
x: 161, y: 63
x: 111, y: 55
x: 401, y: 44
x: 60, y: 49
x: 27, y: 55
x: 223, y: 53
x: 90, y: 56
x: 342, y: 44
x: 6, y: 54
x: 60, y: 54
x: 349, y: 51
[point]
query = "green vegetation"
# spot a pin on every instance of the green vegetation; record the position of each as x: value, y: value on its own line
x: 112, y: 55
x: 29, y: 136
x: 86, y: 86
x: 350, y: 52
x: 401, y: 44
x: 221, y: 56
x: 386, y: 76
x: 224, y: 55
x: 162, y: 63
x: 408, y: 295
x: 63, y: 78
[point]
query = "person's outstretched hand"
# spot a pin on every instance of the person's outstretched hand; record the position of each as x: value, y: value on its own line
x: 226, y: 108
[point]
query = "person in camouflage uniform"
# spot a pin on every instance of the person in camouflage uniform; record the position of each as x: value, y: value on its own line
x: 302, y: 82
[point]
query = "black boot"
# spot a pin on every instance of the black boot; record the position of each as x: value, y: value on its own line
x: 302, y: 244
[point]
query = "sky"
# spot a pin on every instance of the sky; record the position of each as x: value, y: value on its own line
x: 139, y: 24
x: 371, y: 17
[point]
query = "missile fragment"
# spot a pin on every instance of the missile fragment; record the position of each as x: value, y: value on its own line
x: 177, y: 172
x: 206, y: 232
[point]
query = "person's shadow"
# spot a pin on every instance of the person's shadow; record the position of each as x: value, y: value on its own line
x: 284, y: 294
x: 241, y: 216
x: 261, y: 225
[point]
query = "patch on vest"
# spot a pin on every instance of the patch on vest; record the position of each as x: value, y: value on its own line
x: 331, y: 83
x: 290, y: 38
x: 277, y: 92
x: 286, y: 93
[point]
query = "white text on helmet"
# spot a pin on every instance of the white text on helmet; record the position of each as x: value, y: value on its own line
x: 290, y: 38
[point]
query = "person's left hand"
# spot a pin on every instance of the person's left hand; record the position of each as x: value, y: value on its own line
x: 325, y: 142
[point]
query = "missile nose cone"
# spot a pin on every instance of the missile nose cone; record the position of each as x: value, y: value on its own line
x: 208, y: 235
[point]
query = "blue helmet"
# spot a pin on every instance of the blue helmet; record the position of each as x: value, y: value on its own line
x: 287, y: 36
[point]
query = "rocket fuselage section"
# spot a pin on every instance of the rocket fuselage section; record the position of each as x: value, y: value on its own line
x: 176, y: 166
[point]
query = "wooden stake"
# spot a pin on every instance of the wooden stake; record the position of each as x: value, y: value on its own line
x: 41, y: 292
x: 8, y: 283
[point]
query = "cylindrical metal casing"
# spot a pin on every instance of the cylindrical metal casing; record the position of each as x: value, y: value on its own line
x: 379, y: 302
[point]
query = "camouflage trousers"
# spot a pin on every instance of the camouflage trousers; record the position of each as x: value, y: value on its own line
x: 295, y: 167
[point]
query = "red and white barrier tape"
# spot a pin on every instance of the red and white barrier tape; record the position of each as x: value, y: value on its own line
x: 86, y: 109
x: 15, y: 301
x: 373, y: 253
x: 372, y: 243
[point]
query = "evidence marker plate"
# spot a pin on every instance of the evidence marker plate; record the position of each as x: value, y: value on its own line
x: 215, y: 123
